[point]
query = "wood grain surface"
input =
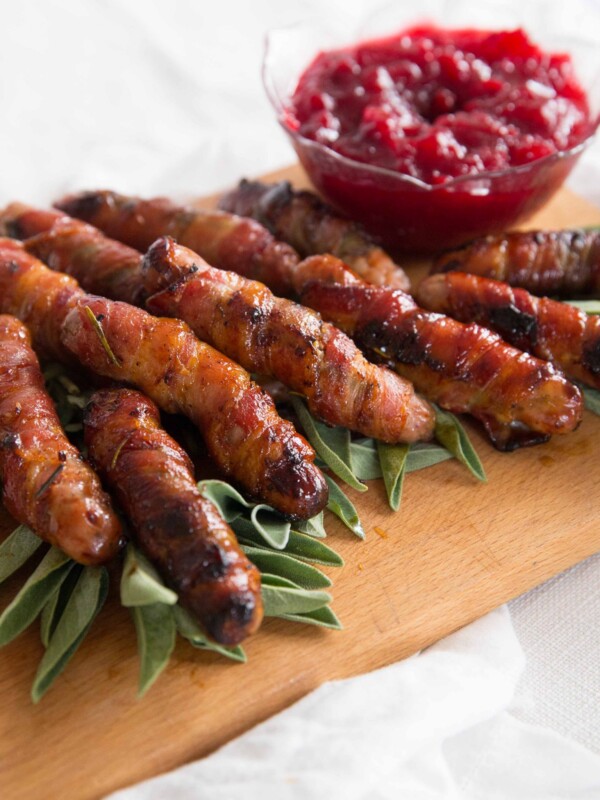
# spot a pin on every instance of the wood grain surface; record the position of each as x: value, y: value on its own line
x: 456, y: 550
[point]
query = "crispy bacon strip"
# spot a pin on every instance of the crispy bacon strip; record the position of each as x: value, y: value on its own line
x: 239, y: 422
x: 311, y: 226
x: 100, y: 265
x: 564, y: 263
x: 224, y: 240
x: 239, y: 317
x: 46, y: 483
x: 549, y: 329
x: 181, y: 533
x: 465, y: 368
x: 37, y: 296
x: 272, y: 336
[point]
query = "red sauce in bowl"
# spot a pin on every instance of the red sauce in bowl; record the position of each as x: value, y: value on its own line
x: 443, y: 134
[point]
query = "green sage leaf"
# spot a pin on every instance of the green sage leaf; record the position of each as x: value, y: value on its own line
x: 155, y: 629
x: 300, y: 545
x: 365, y: 463
x: 273, y: 528
x: 393, y: 458
x: 190, y: 630
x: 313, y: 526
x: 332, y: 444
x: 228, y: 500
x: 16, y: 549
x: 141, y: 584
x: 277, y: 563
x: 587, y: 306
x: 340, y: 505
x: 453, y: 436
x: 83, y: 605
x: 53, y: 610
x: 591, y: 399
x: 322, y: 617
x: 34, y: 595
x: 279, y: 600
x: 424, y: 454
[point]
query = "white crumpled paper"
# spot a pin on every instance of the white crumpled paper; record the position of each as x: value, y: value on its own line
x: 150, y: 97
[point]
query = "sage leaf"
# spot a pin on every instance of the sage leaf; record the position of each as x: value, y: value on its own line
x: 332, y: 444
x: 340, y: 505
x: 155, y: 629
x: 365, y: 463
x: 268, y: 579
x: 274, y: 529
x: 587, y: 306
x: 34, y: 595
x: 228, y: 500
x: 393, y: 458
x: 278, y: 600
x: 423, y: 455
x: 301, y: 546
x: 16, y: 549
x: 313, y: 526
x: 53, y: 610
x: 141, y: 584
x: 453, y: 436
x: 322, y: 617
x: 591, y: 399
x: 278, y: 563
x: 190, y: 630
x: 85, y: 602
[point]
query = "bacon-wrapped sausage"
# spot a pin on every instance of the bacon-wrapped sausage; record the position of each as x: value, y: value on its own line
x: 564, y: 263
x: 46, y: 483
x: 239, y: 317
x: 303, y: 220
x: 183, y: 534
x: 272, y: 336
x: 241, y: 427
x: 549, y: 329
x: 224, y: 240
x: 465, y: 368
x: 37, y: 296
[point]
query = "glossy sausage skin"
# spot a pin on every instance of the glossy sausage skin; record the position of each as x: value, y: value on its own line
x: 564, y: 263
x: 465, y: 368
x: 46, y: 483
x: 276, y: 337
x: 37, y: 296
x: 242, y: 430
x: 304, y: 221
x: 548, y: 329
x: 183, y: 534
x: 226, y: 241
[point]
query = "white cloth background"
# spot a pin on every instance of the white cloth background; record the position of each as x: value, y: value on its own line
x: 157, y: 97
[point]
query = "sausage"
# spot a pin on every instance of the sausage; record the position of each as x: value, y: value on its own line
x: 465, y: 368
x: 304, y: 221
x: 242, y: 319
x: 244, y: 434
x: 224, y: 240
x: 46, y: 483
x: 101, y: 265
x: 548, y: 329
x: 37, y: 296
x: 273, y: 336
x: 563, y: 263
x: 182, y: 534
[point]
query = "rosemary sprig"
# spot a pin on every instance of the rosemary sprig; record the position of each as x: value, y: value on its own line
x: 102, y: 336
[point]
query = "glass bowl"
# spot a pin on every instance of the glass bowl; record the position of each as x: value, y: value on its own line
x: 404, y: 212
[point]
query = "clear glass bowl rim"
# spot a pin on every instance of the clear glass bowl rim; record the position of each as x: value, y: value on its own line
x: 391, y: 175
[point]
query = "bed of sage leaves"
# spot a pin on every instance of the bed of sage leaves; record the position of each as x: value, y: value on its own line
x: 66, y: 597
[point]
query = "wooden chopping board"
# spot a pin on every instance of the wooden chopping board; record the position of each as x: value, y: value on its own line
x: 455, y: 550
